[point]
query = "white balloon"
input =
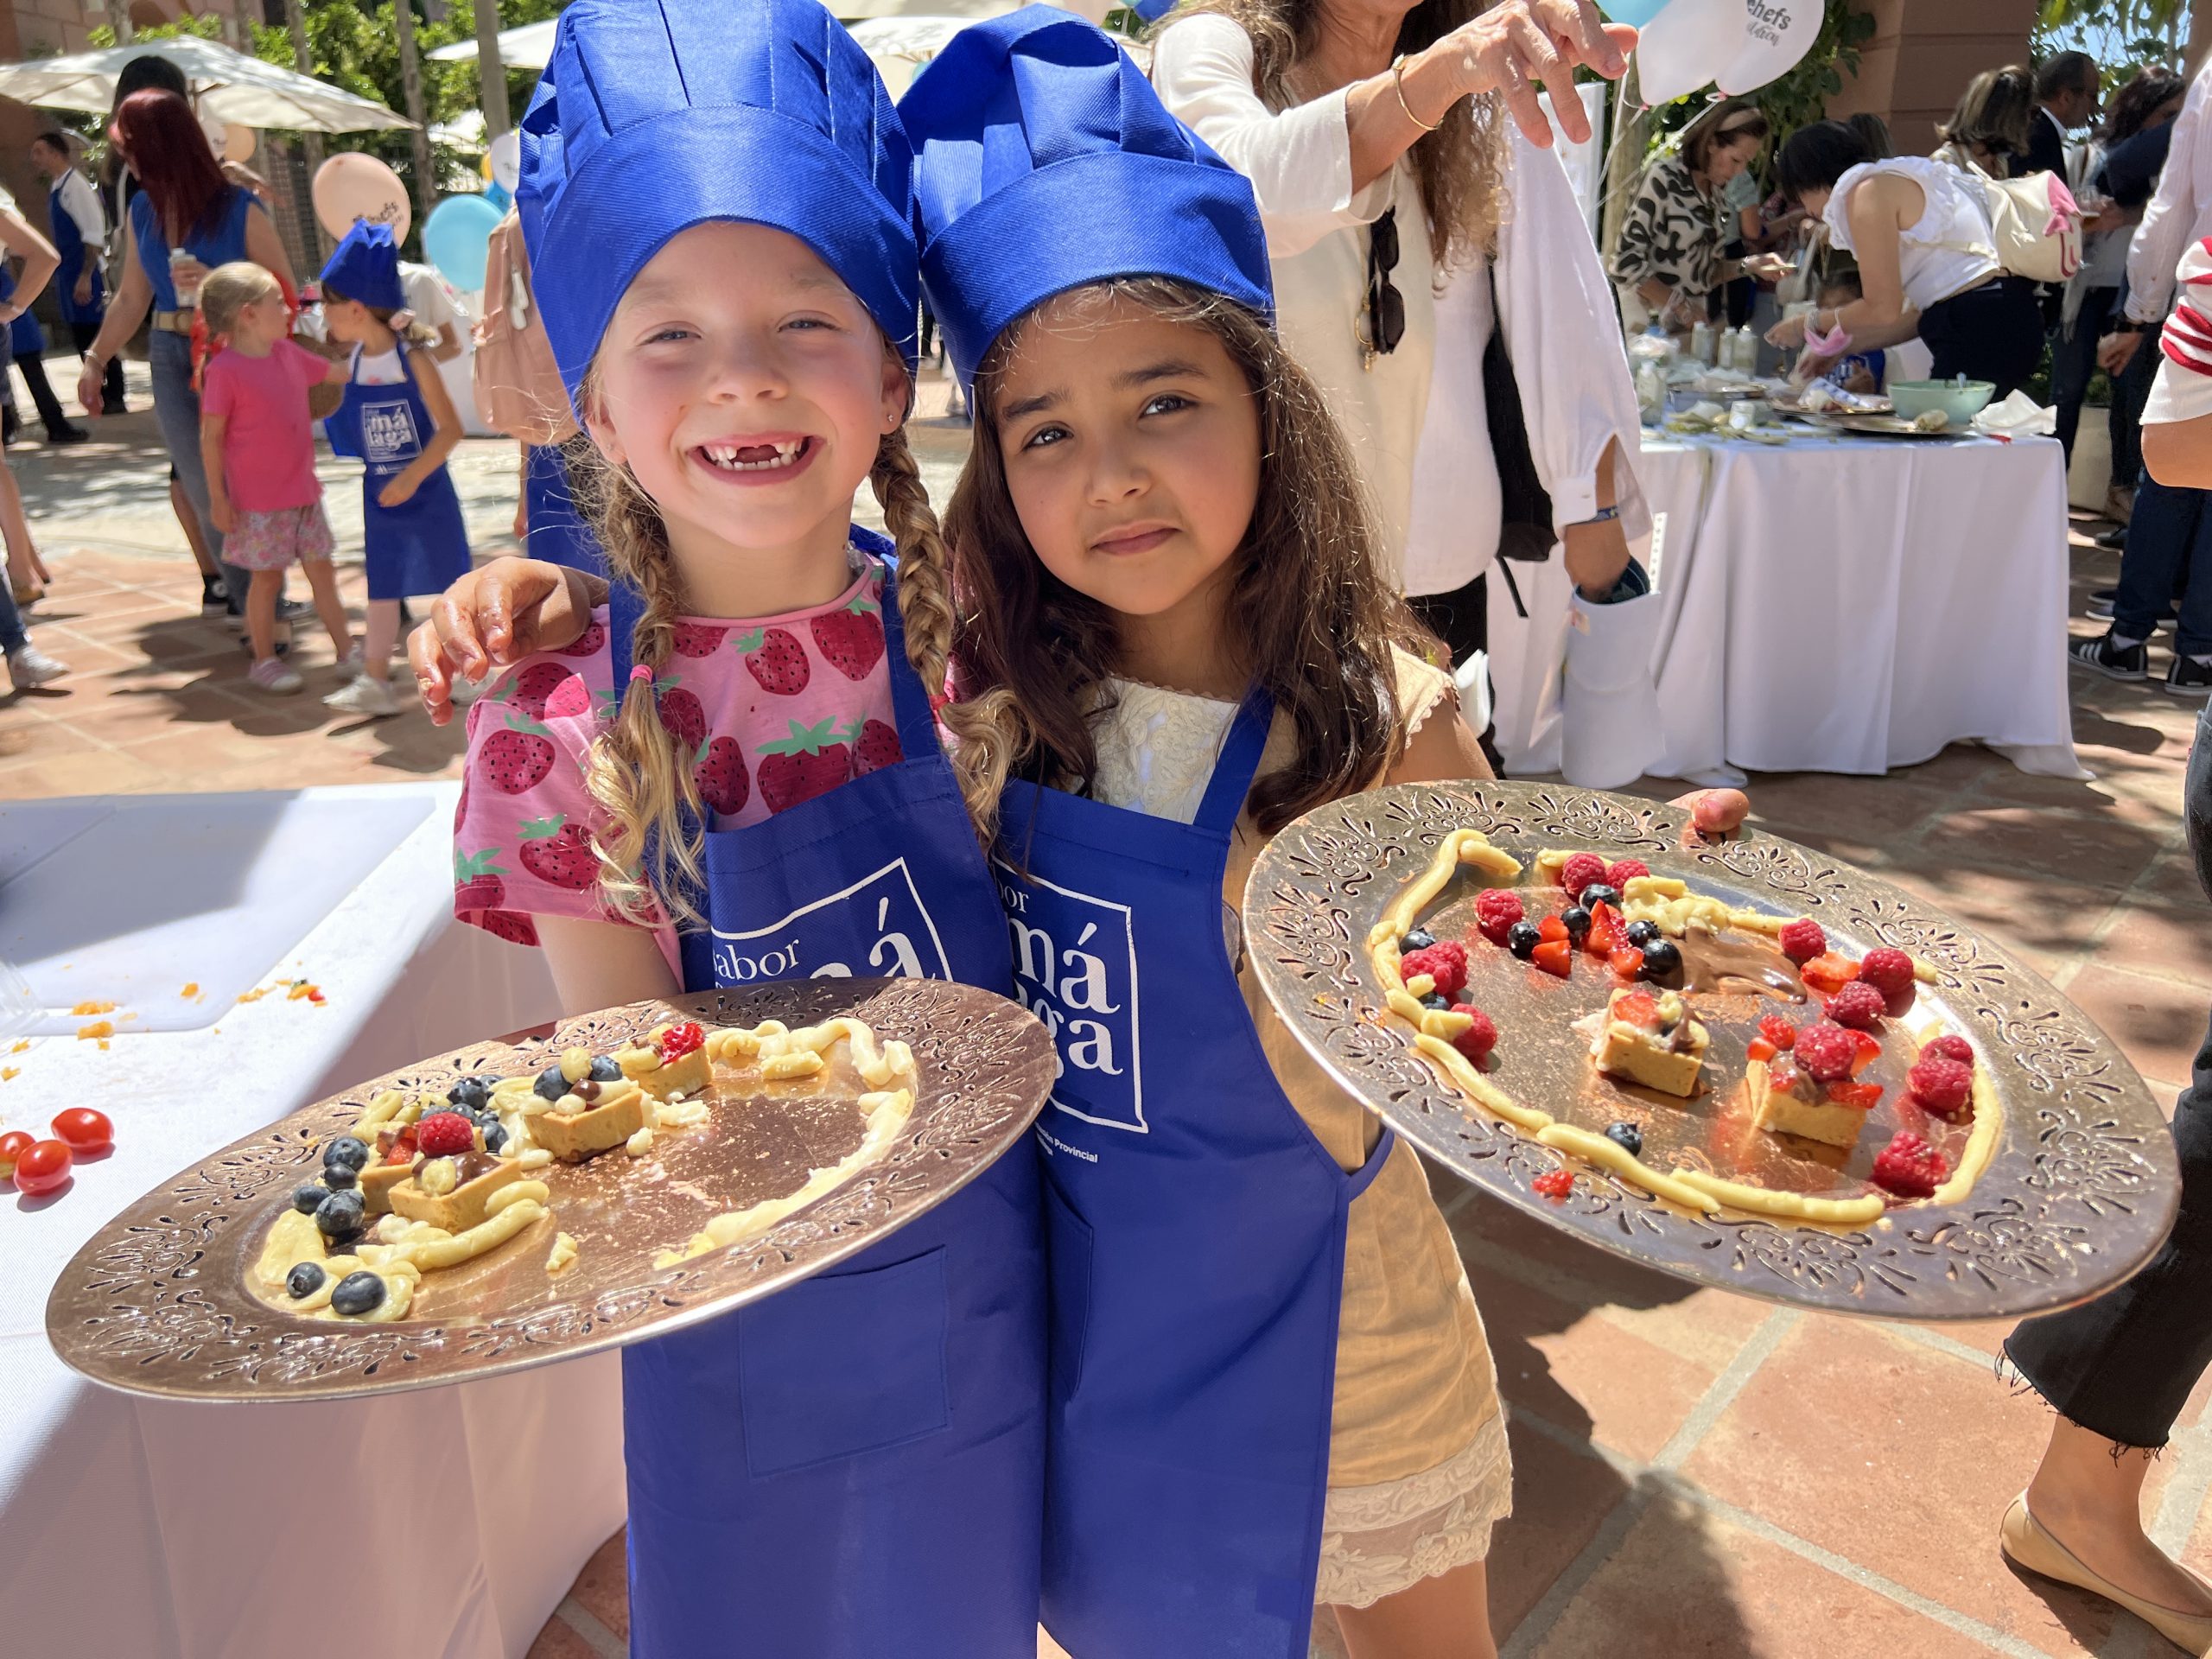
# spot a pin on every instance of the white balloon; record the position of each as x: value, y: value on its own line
x: 1687, y: 45
x: 1777, y: 34
x: 506, y: 159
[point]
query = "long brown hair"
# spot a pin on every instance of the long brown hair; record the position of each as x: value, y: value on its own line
x: 637, y: 773
x: 1308, y: 609
x: 1461, y: 165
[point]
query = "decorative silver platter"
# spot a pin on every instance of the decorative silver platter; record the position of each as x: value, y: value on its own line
x: 2082, y: 1190
x: 158, y: 1303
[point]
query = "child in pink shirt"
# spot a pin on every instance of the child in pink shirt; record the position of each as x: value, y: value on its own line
x: 256, y: 438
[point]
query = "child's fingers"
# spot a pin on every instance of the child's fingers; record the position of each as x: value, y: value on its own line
x: 455, y: 619
x: 432, y: 682
x: 1715, y: 814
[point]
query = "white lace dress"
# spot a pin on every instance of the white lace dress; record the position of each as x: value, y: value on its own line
x: 1416, y: 1400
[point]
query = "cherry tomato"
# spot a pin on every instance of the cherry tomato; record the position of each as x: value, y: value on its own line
x: 85, y: 1129
x: 13, y: 1145
x: 42, y: 1166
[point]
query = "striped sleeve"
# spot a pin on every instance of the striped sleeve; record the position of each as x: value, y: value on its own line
x: 2182, y: 391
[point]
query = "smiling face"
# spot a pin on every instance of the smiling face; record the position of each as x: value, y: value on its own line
x: 746, y: 388
x: 1131, y: 448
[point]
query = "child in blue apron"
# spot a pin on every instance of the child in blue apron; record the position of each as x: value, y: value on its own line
x: 399, y: 420
x: 1269, y: 1384
x: 735, y: 774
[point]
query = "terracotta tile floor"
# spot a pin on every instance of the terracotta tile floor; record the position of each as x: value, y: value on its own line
x: 1697, y: 1474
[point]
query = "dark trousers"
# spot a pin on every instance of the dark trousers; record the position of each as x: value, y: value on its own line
x: 83, y: 333
x: 33, y: 367
x: 2169, y: 552
x: 2123, y: 1365
x: 1994, y: 332
x: 2129, y: 393
x: 2073, y: 360
x: 1461, y: 620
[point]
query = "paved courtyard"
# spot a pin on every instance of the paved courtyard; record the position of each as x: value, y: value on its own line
x: 1697, y: 1474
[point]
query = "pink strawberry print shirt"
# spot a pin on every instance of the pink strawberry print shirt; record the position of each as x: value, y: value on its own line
x: 772, y: 712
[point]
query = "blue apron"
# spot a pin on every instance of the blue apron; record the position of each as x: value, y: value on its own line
x: 25, y: 337
x: 554, y: 528
x: 853, y: 1468
x: 1196, y: 1233
x: 69, y: 243
x: 420, y: 546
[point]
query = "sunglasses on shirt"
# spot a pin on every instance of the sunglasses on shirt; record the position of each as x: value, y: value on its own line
x: 1384, y: 323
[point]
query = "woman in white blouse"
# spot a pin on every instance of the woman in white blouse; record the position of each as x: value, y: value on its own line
x: 1408, y: 220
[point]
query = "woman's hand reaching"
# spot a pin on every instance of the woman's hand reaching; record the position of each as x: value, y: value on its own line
x: 1518, y: 44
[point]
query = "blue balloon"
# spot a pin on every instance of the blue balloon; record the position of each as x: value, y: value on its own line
x: 496, y: 193
x: 1637, y: 14
x: 456, y: 237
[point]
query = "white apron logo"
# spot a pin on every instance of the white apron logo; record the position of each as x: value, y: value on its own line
x: 1075, y: 968
x: 388, y: 434
x: 878, y: 927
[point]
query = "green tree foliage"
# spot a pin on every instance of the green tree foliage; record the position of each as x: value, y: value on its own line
x: 2119, y: 34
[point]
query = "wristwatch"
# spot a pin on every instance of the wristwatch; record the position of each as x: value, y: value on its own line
x: 1603, y: 516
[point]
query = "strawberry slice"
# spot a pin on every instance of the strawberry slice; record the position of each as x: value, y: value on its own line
x: 1628, y: 961
x: 1869, y: 1052
x: 1861, y: 1095
x: 1638, y: 1008
x: 1554, y: 956
x: 1829, y: 973
x: 1606, y: 934
x: 1551, y: 928
x: 1760, y: 1049
x: 1782, y: 1076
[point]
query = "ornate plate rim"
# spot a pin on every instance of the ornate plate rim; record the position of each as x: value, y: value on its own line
x: 2071, y: 1203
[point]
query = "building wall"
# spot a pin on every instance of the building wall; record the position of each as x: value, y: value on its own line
x: 1922, y: 56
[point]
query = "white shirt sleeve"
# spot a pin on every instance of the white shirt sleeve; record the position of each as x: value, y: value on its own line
x: 426, y: 297
x: 82, y: 203
x: 1556, y: 307
x: 2176, y: 217
x: 1299, y: 160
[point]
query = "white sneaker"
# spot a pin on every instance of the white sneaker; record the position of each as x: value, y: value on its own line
x: 29, y: 666
x: 271, y: 676
x: 350, y: 664
x: 364, y: 696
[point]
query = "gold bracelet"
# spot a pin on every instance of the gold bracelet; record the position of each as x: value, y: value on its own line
x: 1398, y: 81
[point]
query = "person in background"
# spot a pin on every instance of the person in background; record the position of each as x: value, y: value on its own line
x: 2067, y: 88
x: 1864, y: 371
x: 27, y: 666
x: 426, y: 299
x: 1991, y: 125
x: 27, y: 349
x: 79, y: 230
x: 1670, y: 261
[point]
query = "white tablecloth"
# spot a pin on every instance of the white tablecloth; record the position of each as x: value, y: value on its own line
x: 156, y: 1529
x: 1837, y: 605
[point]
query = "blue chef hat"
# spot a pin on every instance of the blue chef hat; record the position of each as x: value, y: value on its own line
x: 657, y: 115
x: 366, y: 267
x: 1043, y: 163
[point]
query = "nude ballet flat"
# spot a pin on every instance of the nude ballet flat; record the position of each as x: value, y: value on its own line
x: 2026, y: 1544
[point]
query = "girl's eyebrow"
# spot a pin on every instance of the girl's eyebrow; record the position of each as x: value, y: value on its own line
x: 1168, y: 369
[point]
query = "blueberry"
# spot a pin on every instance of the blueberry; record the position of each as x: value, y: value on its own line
x: 346, y: 1150
x: 304, y: 1280
x: 1419, y: 939
x: 308, y: 1199
x: 1641, y: 933
x: 1627, y: 1137
x: 1662, y: 958
x: 603, y: 1070
x: 338, y: 1177
x: 495, y: 1137
x: 1436, y: 1000
x: 341, y: 1213
x: 474, y: 1093
x: 1577, y: 920
x: 1598, y: 893
x: 1522, y: 939
x: 358, y: 1293
x: 550, y: 1084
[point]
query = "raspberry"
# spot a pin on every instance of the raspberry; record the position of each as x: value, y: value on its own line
x: 1802, y: 939
x: 444, y: 1134
x: 1496, y: 910
x: 1445, y: 961
x: 1952, y: 1047
x: 680, y: 1039
x: 1554, y: 1184
x: 1888, y: 971
x: 1910, y: 1167
x: 1858, y: 1004
x: 1779, y: 1031
x: 1478, y: 1040
x: 1826, y: 1051
x: 1939, y: 1083
x: 1622, y: 871
x: 1580, y: 871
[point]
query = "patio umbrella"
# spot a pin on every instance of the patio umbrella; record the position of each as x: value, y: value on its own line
x: 243, y: 91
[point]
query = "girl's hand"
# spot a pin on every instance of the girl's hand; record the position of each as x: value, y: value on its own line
x: 219, y: 514
x: 1715, y: 815
x: 1518, y: 43
x: 397, y: 493
x: 1788, y: 334
x: 491, y: 619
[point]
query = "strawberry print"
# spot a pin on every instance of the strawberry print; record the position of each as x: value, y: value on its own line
x: 519, y: 757
x: 509, y: 924
x: 876, y: 746
x: 698, y: 639
x: 589, y: 643
x: 775, y: 657
x: 851, y: 639
x: 555, y: 851
x: 530, y: 688
x: 811, y: 761
x: 722, y: 777
x: 680, y: 713
x: 476, y: 883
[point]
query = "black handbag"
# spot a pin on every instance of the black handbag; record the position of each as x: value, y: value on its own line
x: 1525, y: 532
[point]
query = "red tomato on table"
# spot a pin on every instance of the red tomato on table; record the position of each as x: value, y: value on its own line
x: 13, y: 1145
x: 42, y: 1166
x: 85, y: 1129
